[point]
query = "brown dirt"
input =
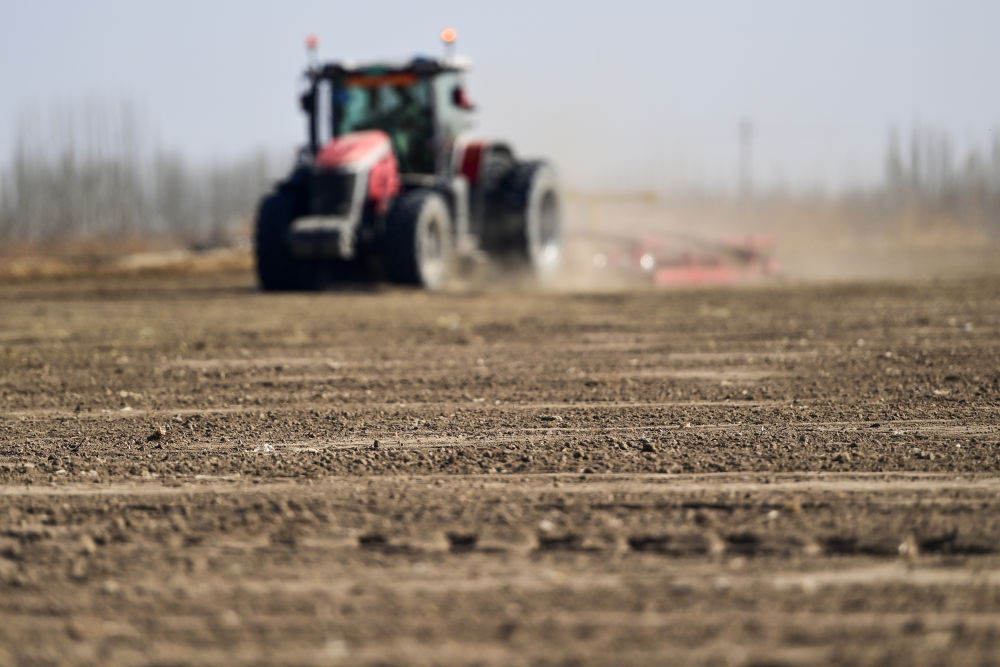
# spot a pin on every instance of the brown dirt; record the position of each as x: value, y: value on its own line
x: 193, y: 472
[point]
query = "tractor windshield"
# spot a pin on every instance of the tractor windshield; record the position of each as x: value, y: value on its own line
x: 398, y: 104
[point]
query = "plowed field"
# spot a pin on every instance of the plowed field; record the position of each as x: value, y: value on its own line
x: 195, y: 472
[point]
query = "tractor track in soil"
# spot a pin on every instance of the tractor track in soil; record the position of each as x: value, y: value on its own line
x: 194, y: 472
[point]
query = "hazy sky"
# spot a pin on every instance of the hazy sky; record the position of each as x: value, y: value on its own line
x: 622, y: 93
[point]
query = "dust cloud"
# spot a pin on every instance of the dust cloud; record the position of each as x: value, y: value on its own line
x: 799, y: 238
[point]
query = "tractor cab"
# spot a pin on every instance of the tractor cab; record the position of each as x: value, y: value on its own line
x: 421, y: 105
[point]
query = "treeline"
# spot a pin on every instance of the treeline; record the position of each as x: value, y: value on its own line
x: 86, y: 171
x: 924, y: 171
x: 90, y: 172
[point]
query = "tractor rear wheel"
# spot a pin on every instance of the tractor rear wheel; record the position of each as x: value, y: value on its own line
x: 418, y: 243
x: 536, y: 241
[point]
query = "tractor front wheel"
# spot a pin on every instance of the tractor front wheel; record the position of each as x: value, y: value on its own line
x: 276, y: 267
x: 418, y: 244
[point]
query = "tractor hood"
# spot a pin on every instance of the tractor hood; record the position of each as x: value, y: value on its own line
x: 356, y: 151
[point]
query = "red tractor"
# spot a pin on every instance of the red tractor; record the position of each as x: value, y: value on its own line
x: 390, y: 186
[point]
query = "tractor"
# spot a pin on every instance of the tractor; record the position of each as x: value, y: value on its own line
x: 390, y: 186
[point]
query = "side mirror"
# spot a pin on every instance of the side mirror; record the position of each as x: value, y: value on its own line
x: 460, y: 99
x: 307, y: 101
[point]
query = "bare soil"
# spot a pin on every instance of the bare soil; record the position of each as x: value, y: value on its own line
x: 195, y: 472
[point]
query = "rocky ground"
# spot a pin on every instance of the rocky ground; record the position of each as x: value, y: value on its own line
x: 192, y: 471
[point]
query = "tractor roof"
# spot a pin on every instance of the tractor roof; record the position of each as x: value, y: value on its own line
x: 420, y: 66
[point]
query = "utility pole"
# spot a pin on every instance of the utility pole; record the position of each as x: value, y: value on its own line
x: 746, y: 159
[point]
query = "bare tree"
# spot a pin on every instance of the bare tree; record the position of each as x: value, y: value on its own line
x: 88, y: 170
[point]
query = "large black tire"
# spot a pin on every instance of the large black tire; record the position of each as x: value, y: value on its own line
x: 418, y: 240
x: 277, y: 269
x: 534, y: 219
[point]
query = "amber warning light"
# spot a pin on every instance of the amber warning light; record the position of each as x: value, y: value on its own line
x: 312, y: 41
x: 449, y: 35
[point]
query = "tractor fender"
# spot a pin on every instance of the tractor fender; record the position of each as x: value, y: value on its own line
x: 471, y: 156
